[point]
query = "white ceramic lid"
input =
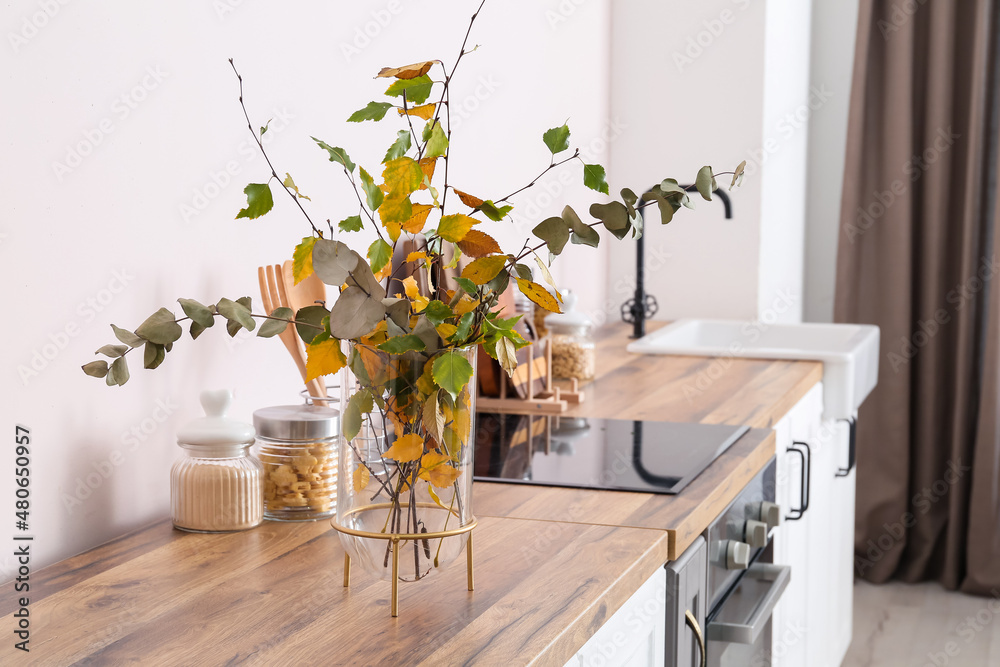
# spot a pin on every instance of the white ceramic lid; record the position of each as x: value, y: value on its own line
x: 214, y: 428
x: 569, y: 318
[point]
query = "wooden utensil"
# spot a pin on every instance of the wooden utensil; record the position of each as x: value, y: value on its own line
x: 309, y: 292
x: 271, y: 294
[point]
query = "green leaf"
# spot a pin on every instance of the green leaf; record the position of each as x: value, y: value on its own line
x: 290, y: 184
x: 259, y: 201
x: 467, y: 285
x: 352, y: 414
x: 196, y: 330
x: 614, y: 215
x: 313, y: 315
x: 451, y: 371
x: 557, y: 139
x: 153, y: 356
x: 336, y: 154
x: 630, y: 199
x: 96, y: 369
x: 263, y: 128
x: 401, y: 344
x: 523, y: 271
x: 126, y: 337
x: 112, y: 350
x: 351, y: 224
x: 594, y: 178
x: 418, y: 89
x: 333, y: 261
x: 274, y: 327
x: 464, y: 327
x: 119, y: 372
x: 374, y: 111
x: 705, y: 183
x: 554, y: 231
x: 379, y: 254
x: 666, y: 206
x: 494, y: 212
x: 582, y: 234
x: 160, y: 327
x: 373, y: 194
x: 197, y: 312
x: 436, y: 140
x: 437, y: 312
x: 400, y: 146
x: 236, y: 312
x: 355, y: 314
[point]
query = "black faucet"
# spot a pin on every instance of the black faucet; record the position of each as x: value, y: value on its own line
x: 643, y: 306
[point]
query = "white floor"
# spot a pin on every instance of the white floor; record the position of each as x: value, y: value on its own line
x: 922, y: 625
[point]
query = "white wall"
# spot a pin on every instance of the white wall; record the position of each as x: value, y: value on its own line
x: 717, y: 82
x: 110, y: 240
x: 834, y: 32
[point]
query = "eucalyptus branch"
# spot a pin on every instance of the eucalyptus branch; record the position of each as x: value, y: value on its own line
x: 260, y: 145
x: 551, y: 166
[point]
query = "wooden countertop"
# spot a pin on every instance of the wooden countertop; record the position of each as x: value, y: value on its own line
x: 274, y: 596
x: 551, y: 564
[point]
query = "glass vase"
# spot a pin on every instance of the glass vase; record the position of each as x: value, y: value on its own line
x: 407, y: 470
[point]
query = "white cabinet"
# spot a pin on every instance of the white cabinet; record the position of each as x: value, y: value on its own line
x: 634, y: 635
x: 812, y: 623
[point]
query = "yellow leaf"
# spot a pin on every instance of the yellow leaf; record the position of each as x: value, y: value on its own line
x: 384, y: 272
x: 410, y: 286
x: 361, y: 477
x: 418, y: 218
x: 462, y: 421
x: 402, y: 176
x: 434, y: 497
x: 425, y: 383
x: 324, y: 358
x: 479, y: 244
x: 376, y: 336
x: 420, y: 303
x: 302, y: 259
x: 427, y: 166
x: 469, y: 200
x: 547, y: 277
x: 484, y: 269
x: 407, y: 448
x: 454, y: 227
x: 373, y: 361
x: 437, y: 469
x: 426, y: 111
x: 538, y: 294
x: 416, y: 256
x: 466, y: 305
x: 395, y: 209
x: 446, y: 330
x: 406, y: 71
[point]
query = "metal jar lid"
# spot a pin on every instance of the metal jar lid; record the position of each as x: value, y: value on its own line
x: 297, y: 422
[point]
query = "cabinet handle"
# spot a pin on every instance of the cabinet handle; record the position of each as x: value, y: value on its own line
x: 852, y: 447
x: 692, y: 623
x: 805, y: 484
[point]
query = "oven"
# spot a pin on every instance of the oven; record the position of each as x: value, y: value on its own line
x: 743, y: 584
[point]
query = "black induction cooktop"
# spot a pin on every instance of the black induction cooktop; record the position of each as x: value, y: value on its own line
x: 642, y: 456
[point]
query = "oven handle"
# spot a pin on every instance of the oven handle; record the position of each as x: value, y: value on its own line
x: 692, y: 623
x: 747, y: 633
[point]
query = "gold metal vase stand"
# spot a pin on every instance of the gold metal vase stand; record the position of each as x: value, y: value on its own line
x: 400, y: 539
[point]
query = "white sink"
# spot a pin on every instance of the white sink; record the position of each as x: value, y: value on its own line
x: 849, y: 352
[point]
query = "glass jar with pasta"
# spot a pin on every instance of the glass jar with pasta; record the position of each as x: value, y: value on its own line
x: 298, y: 446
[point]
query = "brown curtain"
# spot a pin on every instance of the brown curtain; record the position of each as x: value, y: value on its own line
x: 918, y: 256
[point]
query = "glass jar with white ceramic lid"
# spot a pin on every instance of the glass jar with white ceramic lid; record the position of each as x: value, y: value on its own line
x: 297, y: 445
x: 571, y: 335
x: 216, y: 486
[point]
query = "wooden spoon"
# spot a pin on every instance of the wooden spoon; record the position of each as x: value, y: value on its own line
x: 272, y: 298
x: 309, y: 292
